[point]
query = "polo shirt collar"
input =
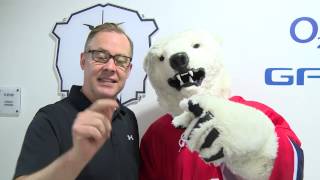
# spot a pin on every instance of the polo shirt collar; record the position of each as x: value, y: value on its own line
x: 78, y: 99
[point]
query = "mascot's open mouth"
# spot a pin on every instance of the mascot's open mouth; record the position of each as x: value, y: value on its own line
x: 191, y: 77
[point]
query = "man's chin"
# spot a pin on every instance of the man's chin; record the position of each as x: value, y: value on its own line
x: 106, y: 92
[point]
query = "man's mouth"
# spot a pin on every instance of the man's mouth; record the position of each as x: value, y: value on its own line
x: 106, y: 80
x: 191, y: 77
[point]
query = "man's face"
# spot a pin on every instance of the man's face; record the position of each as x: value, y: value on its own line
x: 105, y: 80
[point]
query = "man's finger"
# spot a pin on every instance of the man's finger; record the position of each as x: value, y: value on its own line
x: 104, y: 106
x: 87, y: 132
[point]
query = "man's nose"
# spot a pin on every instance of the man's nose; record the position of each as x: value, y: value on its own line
x: 110, y: 65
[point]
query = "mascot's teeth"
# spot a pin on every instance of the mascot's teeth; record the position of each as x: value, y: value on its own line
x: 187, y: 78
x: 190, y: 79
x: 191, y: 76
x: 179, y: 78
x: 183, y: 74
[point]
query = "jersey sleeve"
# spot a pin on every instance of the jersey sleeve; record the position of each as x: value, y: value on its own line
x: 290, y: 160
x: 40, y: 146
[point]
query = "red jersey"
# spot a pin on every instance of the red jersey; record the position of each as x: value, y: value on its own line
x: 163, y: 159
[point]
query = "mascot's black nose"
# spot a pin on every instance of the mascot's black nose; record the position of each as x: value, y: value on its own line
x: 179, y: 61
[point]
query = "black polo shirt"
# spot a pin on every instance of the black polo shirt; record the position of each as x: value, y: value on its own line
x: 49, y: 136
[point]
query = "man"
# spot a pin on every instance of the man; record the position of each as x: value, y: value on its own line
x: 87, y: 135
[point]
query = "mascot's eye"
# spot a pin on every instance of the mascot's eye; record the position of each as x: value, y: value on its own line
x: 161, y: 58
x: 197, y: 45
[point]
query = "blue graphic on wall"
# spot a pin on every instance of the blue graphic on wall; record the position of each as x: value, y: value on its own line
x: 313, y: 34
x: 287, y: 76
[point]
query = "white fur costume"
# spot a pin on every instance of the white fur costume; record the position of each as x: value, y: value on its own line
x: 188, y: 75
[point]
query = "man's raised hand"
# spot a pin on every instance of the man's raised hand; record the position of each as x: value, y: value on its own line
x: 92, y: 127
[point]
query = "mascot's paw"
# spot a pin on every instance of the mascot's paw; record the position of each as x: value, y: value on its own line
x: 201, y: 133
x: 183, y: 120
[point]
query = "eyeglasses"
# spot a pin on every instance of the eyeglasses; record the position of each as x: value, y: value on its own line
x: 103, y: 57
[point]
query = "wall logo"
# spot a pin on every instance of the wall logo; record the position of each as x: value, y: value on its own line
x: 71, y: 36
x: 307, y: 21
x: 284, y: 76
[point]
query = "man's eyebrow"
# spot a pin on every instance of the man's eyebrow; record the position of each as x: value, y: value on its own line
x: 107, y: 51
x: 101, y: 49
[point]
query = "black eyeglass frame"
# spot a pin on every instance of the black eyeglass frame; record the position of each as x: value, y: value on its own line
x: 108, y: 57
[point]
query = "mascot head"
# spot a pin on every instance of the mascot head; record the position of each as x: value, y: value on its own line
x: 184, y: 65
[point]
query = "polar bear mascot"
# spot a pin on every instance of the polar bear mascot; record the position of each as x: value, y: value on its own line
x: 206, y: 134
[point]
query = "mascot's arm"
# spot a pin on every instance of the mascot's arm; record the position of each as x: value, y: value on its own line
x: 241, y: 137
x: 289, y: 161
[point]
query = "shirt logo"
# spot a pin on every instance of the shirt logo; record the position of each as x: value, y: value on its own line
x: 130, y: 137
x: 71, y: 35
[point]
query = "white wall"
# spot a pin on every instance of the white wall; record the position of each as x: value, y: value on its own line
x: 255, y: 34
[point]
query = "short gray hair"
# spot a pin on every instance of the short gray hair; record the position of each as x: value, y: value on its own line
x: 107, y: 27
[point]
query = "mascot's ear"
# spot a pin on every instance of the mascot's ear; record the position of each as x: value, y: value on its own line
x: 146, y: 63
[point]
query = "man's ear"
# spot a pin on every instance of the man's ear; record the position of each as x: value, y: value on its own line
x: 129, y: 69
x: 82, y: 60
